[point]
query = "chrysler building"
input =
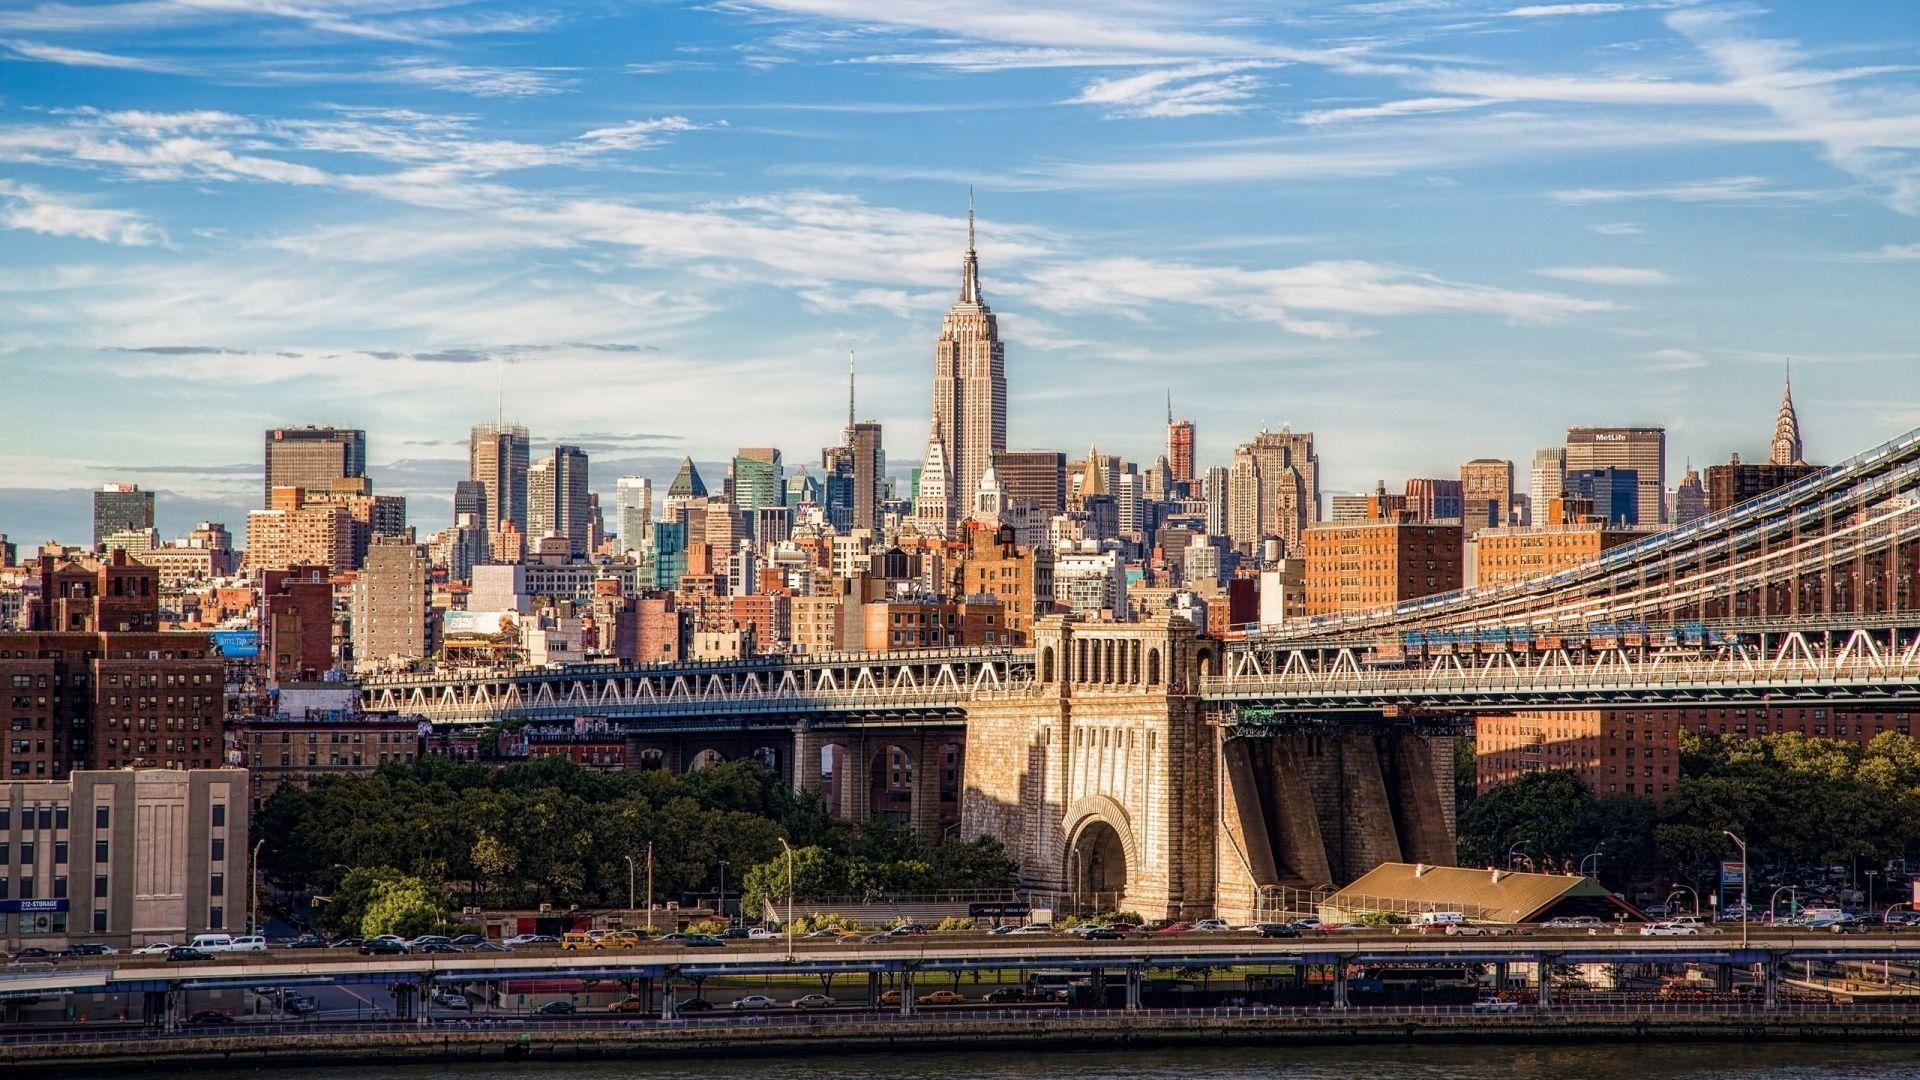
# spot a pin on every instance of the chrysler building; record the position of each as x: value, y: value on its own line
x: 969, y: 383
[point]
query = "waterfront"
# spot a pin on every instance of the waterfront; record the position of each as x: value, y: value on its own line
x: 1610, y: 1061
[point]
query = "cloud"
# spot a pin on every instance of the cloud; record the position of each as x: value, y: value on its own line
x: 1892, y: 253
x: 1676, y: 359
x: 467, y: 79
x: 1608, y: 275
x: 1731, y: 189
x: 1547, y: 11
x: 1407, y: 107
x: 1617, y: 228
x: 638, y: 134
x: 29, y: 208
x: 1341, y: 288
x: 72, y: 57
x: 1194, y: 90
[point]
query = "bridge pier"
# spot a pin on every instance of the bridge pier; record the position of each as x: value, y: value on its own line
x: 1543, y: 986
x: 1136, y: 975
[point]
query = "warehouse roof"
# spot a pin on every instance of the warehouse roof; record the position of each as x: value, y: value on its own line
x: 1492, y: 895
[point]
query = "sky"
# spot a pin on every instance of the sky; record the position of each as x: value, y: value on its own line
x: 1426, y: 230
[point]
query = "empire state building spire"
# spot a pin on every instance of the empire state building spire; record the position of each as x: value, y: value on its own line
x: 1786, y: 429
x: 969, y: 382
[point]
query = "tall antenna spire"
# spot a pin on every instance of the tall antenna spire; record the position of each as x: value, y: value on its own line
x: 970, y: 265
x: 969, y: 217
x: 849, y: 389
x: 500, y: 403
x: 1169, y: 406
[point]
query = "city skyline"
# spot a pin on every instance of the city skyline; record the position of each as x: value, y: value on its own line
x: 585, y: 216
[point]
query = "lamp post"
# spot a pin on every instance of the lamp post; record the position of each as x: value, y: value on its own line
x: 789, y: 850
x: 649, y: 887
x: 629, y: 886
x: 1595, y: 856
x: 253, y: 880
x: 1871, y: 874
x: 1793, y: 901
x: 1513, y: 851
x: 723, y: 892
x: 1743, y: 884
x: 1696, y: 897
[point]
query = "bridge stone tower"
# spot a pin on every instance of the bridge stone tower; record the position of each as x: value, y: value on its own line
x: 1100, y: 776
x: 1113, y: 787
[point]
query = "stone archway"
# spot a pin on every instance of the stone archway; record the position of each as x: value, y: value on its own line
x: 890, y: 785
x: 651, y: 757
x: 1100, y: 855
x: 707, y: 758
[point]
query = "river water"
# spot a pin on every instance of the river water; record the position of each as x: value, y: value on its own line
x: 1641, y: 1061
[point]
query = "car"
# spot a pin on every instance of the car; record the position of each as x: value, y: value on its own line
x: 1277, y: 930
x: 876, y: 939
x: 1007, y: 994
x: 755, y: 1001
x: 34, y: 952
x: 469, y: 940
x: 158, y: 948
x: 425, y: 939
x: 681, y: 935
x: 1211, y: 926
x: 577, y: 940
x: 821, y: 935
x: 1658, y: 911
x: 90, y: 948
x: 449, y: 1000
x: 761, y: 933
x: 384, y: 947
x: 299, y: 1004
x: 1032, y: 928
x: 694, y: 1005
x: 1669, y: 929
x: 1467, y: 930
x: 1574, y: 922
x: 888, y: 997
x: 308, y: 941
x: 941, y: 997
x: 520, y: 941
x: 703, y: 941
x: 1256, y: 928
x: 182, y: 954
x: 912, y: 929
x: 208, y: 1018
x: 488, y: 946
x: 814, y: 1001
x: 1304, y: 925
x: 347, y: 943
x: 735, y: 933
x: 555, y: 1008
x: 1841, y: 924
x: 1176, y: 928
x: 248, y: 943
x: 1003, y: 928
x: 1102, y: 933
x: 439, y: 947
x: 626, y: 1005
x: 620, y: 939
x: 1495, y: 1005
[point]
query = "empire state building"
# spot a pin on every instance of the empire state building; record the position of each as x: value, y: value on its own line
x: 969, y: 383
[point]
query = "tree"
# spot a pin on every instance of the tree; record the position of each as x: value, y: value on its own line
x: 815, y: 876
x: 405, y: 906
x: 1551, y: 811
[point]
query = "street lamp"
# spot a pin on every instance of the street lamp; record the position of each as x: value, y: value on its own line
x: 1677, y: 886
x: 630, y: 886
x: 1595, y: 856
x: 723, y: 892
x: 649, y: 886
x: 789, y: 850
x: 253, y: 879
x: 1793, y: 901
x: 1743, y: 884
x: 1512, y: 852
x: 1871, y: 874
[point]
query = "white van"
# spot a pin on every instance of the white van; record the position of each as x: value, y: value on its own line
x: 1440, y: 918
x: 212, y: 942
x: 249, y: 943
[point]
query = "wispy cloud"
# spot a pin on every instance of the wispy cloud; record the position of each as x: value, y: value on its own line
x: 1731, y: 189
x: 72, y: 57
x: 1548, y: 11
x: 1892, y: 253
x: 23, y: 206
x: 1608, y: 275
x: 1618, y: 228
x: 1404, y: 107
x: 1194, y: 90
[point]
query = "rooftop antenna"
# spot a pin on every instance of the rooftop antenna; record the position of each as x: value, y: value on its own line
x: 849, y: 389
x: 500, y: 403
x: 969, y: 217
x: 1169, y: 406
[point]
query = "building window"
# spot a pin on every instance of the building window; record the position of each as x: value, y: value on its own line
x: 216, y: 918
x: 59, y: 886
x: 219, y: 849
x: 101, y: 814
x: 100, y: 851
x: 99, y: 886
x: 217, y: 885
x: 99, y: 922
x: 59, y: 817
x: 219, y: 815
x: 59, y: 853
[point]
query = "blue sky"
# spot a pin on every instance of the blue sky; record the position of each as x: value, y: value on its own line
x: 1427, y: 230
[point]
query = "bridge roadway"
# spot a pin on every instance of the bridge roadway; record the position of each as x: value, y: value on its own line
x: 948, y: 953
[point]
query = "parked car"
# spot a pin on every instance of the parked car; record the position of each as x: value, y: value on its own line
x: 941, y: 997
x: 1211, y: 926
x: 469, y: 940
x: 180, y: 954
x: 555, y: 1008
x: 755, y: 1001
x: 208, y: 1018
x: 814, y: 1001
x: 447, y: 999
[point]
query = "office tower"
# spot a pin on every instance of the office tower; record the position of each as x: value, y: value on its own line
x: 685, y: 488
x: 633, y: 507
x: 869, y: 470
x: 969, y: 382
x: 392, y: 604
x: 1217, y: 482
x: 497, y: 458
x: 758, y: 478
x: 932, y: 504
x: 1548, y: 478
x: 1642, y: 449
x: 1274, y: 489
x: 1486, y: 493
x: 295, y: 532
x: 1786, y: 430
x: 311, y: 458
x: 1179, y: 446
x: 1430, y: 499
x: 669, y: 553
x: 558, y: 503
x: 120, y: 508
x: 1037, y: 477
x: 1690, y: 498
x: 1616, y: 494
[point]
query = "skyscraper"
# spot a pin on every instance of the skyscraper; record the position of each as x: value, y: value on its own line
x: 1036, y: 477
x: 1179, y: 446
x: 933, y: 497
x: 758, y: 478
x: 557, y: 500
x: 311, y: 458
x: 633, y: 506
x: 1642, y: 449
x: 1546, y: 481
x: 1486, y: 493
x: 1217, y: 485
x: 120, y: 508
x: 497, y: 458
x: 1786, y: 430
x: 1275, y: 488
x: 969, y: 381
